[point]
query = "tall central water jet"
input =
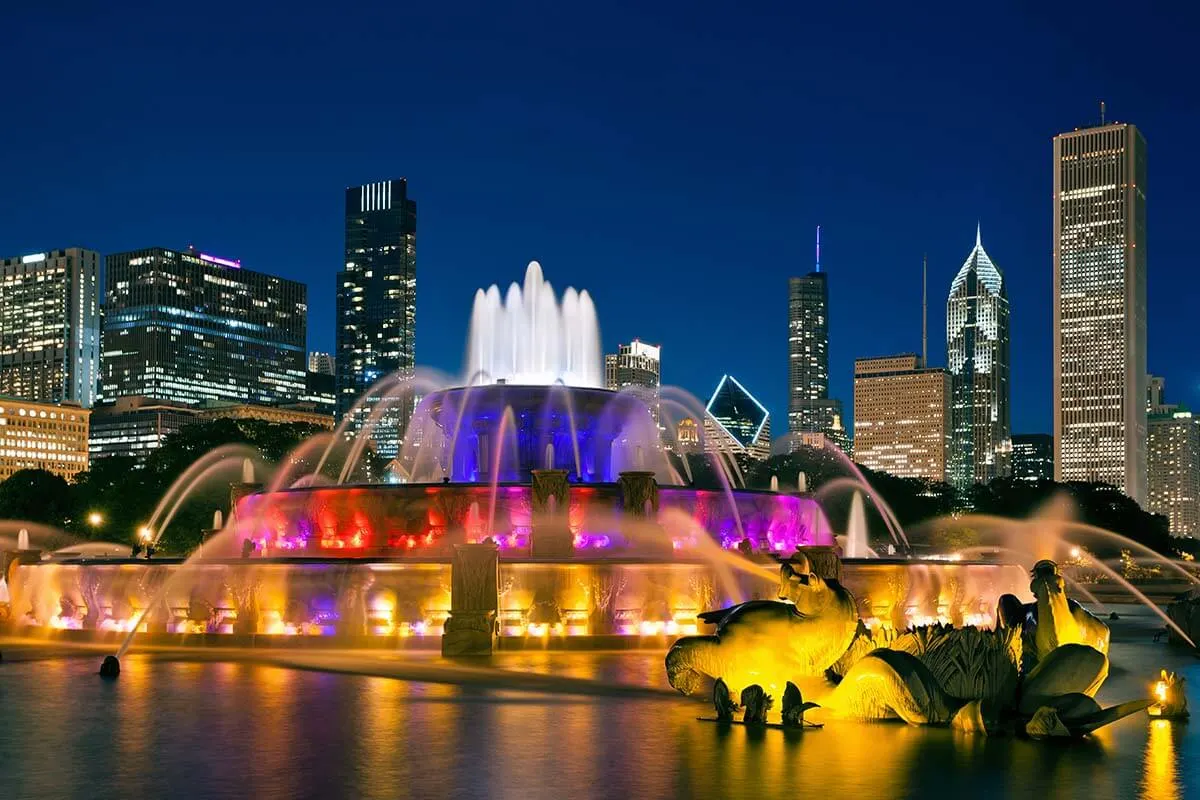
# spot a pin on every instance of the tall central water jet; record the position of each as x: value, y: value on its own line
x: 529, y: 338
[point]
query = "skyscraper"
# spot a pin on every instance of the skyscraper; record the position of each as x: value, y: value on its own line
x: 1100, y: 307
x: 736, y: 422
x: 320, y: 362
x: 1173, y: 462
x: 1033, y: 457
x: 977, y: 353
x: 377, y: 304
x: 189, y: 327
x: 635, y: 364
x: 901, y: 416
x: 50, y: 326
x: 810, y: 409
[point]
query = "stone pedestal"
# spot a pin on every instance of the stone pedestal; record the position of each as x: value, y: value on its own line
x: 551, y: 535
x: 639, y: 493
x: 824, y: 561
x: 474, y: 600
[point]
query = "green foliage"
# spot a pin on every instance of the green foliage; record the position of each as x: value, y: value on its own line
x: 124, y: 491
x: 37, y: 496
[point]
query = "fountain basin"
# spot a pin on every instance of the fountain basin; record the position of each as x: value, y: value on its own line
x: 593, y: 600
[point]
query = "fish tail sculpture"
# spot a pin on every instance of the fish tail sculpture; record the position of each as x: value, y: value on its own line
x: 891, y: 683
x: 690, y: 659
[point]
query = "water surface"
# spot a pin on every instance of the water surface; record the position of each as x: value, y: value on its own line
x: 522, y: 725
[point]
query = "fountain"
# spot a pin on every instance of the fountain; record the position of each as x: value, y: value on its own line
x: 524, y: 479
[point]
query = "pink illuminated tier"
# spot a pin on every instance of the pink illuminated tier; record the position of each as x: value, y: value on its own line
x: 424, y: 519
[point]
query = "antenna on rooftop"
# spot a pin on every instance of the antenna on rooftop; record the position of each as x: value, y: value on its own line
x: 818, y: 248
x: 924, y: 311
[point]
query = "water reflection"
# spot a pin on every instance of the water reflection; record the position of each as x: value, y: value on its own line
x: 248, y: 728
x: 1160, y: 779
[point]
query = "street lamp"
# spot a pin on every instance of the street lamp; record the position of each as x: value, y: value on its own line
x: 95, y: 519
x: 145, y: 542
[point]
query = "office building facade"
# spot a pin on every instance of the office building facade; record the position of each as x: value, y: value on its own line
x: 323, y: 363
x: 1173, y: 485
x: 902, y: 417
x: 636, y: 364
x: 1099, y: 307
x: 188, y: 327
x: 1033, y: 457
x: 977, y: 357
x: 42, y: 436
x: 1173, y: 461
x: 134, y: 426
x: 50, y: 326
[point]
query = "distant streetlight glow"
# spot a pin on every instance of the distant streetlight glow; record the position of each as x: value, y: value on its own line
x: 95, y: 519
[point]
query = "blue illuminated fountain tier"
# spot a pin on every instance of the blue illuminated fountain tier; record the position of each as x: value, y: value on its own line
x: 502, y: 432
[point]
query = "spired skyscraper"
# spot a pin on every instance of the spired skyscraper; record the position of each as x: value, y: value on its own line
x: 812, y: 415
x: 377, y: 304
x: 977, y: 357
x: 1100, y: 307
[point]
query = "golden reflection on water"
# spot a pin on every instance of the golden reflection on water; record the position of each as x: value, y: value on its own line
x: 1160, y: 778
x: 258, y: 730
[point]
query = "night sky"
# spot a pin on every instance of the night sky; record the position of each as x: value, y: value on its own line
x: 674, y: 162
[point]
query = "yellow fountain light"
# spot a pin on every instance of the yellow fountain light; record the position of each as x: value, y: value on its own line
x: 145, y: 533
x: 1170, y: 702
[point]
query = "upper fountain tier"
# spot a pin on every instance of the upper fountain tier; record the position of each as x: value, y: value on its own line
x: 530, y: 338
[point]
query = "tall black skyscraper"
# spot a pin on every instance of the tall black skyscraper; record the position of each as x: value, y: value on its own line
x: 377, y: 302
x: 810, y: 410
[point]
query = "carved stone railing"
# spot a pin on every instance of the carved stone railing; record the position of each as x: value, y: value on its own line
x: 474, y: 600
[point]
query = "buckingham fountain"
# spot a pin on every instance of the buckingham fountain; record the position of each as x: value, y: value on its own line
x: 528, y: 506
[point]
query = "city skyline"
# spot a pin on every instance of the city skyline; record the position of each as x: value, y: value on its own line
x: 493, y: 202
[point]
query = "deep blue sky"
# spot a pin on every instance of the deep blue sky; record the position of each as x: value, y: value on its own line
x: 672, y: 161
